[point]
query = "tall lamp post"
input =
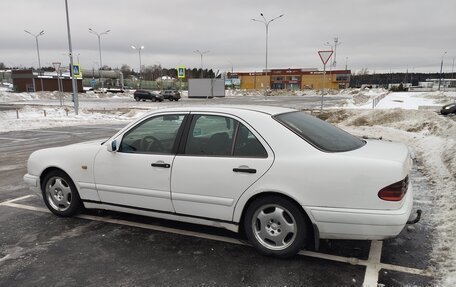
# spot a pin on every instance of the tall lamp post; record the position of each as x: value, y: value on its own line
x: 139, y: 48
x: 38, y: 52
x: 70, y: 52
x: 266, y: 23
x: 99, y: 50
x: 336, y: 43
x: 441, y: 69
x: 201, y: 56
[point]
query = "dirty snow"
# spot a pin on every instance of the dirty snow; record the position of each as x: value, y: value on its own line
x: 409, y: 117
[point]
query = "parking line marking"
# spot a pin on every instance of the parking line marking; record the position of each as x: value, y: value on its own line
x: 16, y: 199
x: 373, y: 264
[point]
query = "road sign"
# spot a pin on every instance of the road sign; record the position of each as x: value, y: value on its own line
x: 325, y: 56
x: 180, y: 72
x: 76, y: 71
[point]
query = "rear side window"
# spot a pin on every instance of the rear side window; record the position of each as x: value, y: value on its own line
x: 320, y: 134
x: 211, y: 135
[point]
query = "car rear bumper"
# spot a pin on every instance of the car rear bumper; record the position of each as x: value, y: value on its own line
x: 342, y: 223
x: 33, y: 183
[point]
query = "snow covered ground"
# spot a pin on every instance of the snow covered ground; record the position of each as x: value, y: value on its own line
x: 409, y: 117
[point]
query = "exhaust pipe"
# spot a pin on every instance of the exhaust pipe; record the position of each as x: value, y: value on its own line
x: 417, y: 218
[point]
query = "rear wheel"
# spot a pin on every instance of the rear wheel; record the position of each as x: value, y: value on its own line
x: 154, y: 99
x: 60, y: 194
x: 275, y: 226
x: 137, y: 99
x: 170, y: 99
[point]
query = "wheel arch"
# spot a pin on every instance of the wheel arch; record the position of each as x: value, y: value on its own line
x: 49, y: 169
x: 312, y: 229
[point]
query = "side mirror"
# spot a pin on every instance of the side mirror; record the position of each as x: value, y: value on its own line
x: 112, y: 146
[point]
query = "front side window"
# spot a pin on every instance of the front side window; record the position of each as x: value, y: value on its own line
x: 154, y: 135
x: 211, y: 135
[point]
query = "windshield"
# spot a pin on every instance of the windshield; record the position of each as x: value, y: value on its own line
x: 320, y: 134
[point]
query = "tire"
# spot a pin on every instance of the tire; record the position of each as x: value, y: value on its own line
x: 170, y: 99
x: 154, y: 99
x: 275, y: 226
x: 137, y: 99
x: 176, y: 100
x: 60, y: 194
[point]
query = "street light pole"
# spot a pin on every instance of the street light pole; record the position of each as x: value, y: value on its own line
x: 201, y: 55
x: 70, y: 48
x: 336, y: 43
x: 266, y: 23
x: 38, y: 52
x: 139, y: 48
x: 99, y: 50
x: 441, y: 69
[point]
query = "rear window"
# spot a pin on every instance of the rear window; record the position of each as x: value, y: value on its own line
x: 320, y: 134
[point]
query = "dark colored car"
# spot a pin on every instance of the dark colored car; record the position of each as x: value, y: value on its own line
x: 171, y: 95
x: 448, y: 109
x: 146, y: 95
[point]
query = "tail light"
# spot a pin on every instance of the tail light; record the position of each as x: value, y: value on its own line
x: 395, y: 191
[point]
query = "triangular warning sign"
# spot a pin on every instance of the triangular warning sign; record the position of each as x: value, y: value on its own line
x: 325, y: 56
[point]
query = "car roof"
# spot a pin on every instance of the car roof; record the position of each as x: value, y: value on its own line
x: 270, y: 110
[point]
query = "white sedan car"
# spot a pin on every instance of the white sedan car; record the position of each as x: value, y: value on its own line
x: 283, y: 177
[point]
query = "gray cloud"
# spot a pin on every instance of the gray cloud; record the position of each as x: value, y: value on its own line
x: 378, y: 35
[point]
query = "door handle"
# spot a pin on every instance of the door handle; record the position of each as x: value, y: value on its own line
x: 246, y: 170
x: 161, y: 164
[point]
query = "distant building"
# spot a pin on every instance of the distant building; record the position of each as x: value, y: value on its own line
x: 29, y: 81
x: 293, y: 79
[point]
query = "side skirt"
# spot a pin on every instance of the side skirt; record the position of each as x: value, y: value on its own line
x: 163, y: 215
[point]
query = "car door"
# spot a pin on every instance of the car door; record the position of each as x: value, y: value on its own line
x: 138, y: 173
x: 220, y: 159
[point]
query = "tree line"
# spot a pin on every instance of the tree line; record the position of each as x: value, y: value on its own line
x: 393, y: 78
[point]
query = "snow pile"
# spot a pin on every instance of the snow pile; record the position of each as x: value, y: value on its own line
x: 6, y: 96
x: 37, y: 118
x: 433, y: 139
x: 363, y: 98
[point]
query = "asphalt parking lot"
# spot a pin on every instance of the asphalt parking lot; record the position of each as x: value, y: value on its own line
x: 100, y: 248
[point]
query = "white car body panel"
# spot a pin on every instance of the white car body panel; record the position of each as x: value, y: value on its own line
x: 129, y: 179
x: 338, y: 191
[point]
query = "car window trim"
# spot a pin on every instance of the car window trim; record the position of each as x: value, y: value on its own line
x: 184, y: 138
x: 177, y: 138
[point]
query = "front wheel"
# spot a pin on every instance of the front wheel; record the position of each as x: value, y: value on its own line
x: 60, y: 194
x: 275, y: 226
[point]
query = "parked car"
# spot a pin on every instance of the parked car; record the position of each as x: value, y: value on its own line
x: 147, y: 95
x: 448, y: 109
x: 283, y: 177
x: 171, y: 95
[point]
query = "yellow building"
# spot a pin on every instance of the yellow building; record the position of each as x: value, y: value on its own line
x: 294, y: 79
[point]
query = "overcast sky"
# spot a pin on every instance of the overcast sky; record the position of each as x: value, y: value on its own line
x: 380, y: 35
